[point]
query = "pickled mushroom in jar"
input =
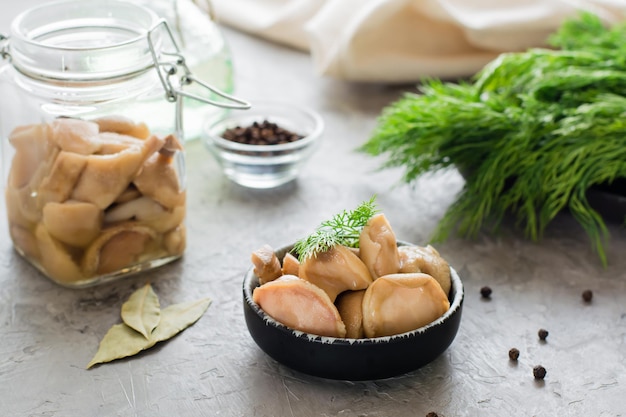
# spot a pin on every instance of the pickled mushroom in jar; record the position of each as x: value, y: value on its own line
x: 90, y: 198
x: 159, y: 180
x: 75, y: 135
x: 117, y: 247
x: 146, y: 211
x: 378, y: 247
x: 22, y: 208
x: 171, y: 146
x: 58, y: 184
x: 175, y: 240
x: 32, y: 147
x: 72, y: 222
x: 114, y: 143
x: 300, y: 305
x: 336, y: 270
x: 25, y: 241
x: 129, y: 193
x: 399, y: 303
x: 55, y: 257
x: 34, y: 155
x: 122, y: 125
x: 105, y: 177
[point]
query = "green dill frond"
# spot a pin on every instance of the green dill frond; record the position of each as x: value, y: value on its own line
x: 531, y: 134
x: 342, y: 229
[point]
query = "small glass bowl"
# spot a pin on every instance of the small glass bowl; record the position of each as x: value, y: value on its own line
x: 264, y: 166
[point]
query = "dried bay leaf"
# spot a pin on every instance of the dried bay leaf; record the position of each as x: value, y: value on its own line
x: 122, y: 341
x: 142, y: 311
x: 178, y: 317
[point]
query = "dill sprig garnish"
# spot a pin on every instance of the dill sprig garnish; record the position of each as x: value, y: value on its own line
x: 342, y: 229
x: 531, y: 133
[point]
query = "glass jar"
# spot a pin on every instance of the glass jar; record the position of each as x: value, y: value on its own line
x: 207, y: 53
x: 92, y: 156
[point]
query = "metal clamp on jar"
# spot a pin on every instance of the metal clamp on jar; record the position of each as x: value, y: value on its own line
x: 91, y: 108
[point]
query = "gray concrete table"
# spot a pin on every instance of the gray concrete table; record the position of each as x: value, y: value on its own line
x: 48, y: 333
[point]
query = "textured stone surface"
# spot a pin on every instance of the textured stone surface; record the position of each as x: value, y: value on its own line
x: 48, y: 333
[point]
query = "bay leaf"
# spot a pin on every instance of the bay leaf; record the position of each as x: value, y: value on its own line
x: 122, y: 341
x: 142, y: 311
x: 178, y: 317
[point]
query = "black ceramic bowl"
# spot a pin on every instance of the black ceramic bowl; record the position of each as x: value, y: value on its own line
x: 351, y: 359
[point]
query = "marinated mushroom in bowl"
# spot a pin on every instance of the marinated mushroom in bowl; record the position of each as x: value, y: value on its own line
x: 379, y: 289
x: 357, y: 306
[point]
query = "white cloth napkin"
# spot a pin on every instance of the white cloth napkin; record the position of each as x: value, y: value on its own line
x: 398, y: 41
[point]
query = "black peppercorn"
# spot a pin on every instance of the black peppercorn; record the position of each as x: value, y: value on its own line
x: 542, y: 333
x: 539, y: 372
x: 587, y: 295
x: 514, y: 354
x: 264, y: 133
x: 485, y: 292
x: 432, y: 414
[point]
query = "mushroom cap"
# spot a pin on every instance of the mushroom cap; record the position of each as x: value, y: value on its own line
x: 337, y: 270
x: 426, y: 260
x: 378, y: 247
x: 350, y: 307
x: 266, y: 264
x: 300, y: 305
x: 399, y: 303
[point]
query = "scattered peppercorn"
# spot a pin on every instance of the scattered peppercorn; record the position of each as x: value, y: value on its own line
x: 514, y: 354
x: 485, y: 292
x: 539, y: 372
x: 587, y: 295
x: 542, y: 333
x: 264, y: 133
x: 432, y: 414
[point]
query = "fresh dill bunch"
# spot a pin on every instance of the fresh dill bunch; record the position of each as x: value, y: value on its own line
x: 587, y: 32
x: 531, y: 133
x: 342, y: 229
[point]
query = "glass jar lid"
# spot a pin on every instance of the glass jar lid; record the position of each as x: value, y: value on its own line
x: 87, y: 44
x: 79, y: 41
